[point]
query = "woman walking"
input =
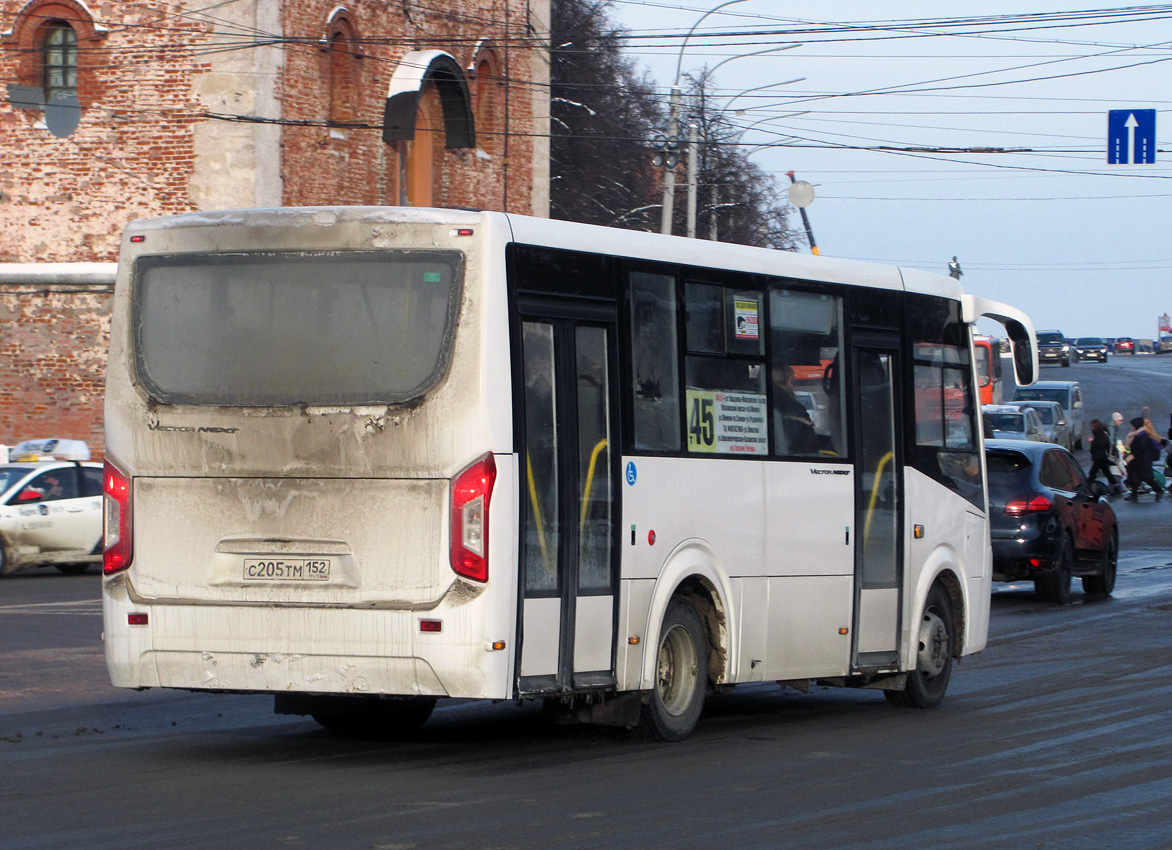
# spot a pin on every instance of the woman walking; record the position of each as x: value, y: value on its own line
x: 1101, y: 456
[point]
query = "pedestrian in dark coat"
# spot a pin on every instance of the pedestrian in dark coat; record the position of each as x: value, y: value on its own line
x: 1144, y: 453
x: 1101, y: 456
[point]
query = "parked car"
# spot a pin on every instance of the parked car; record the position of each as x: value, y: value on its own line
x: 1053, y: 348
x: 1124, y: 345
x: 1091, y: 348
x: 1054, y: 423
x: 1009, y: 422
x: 1047, y: 523
x: 1164, y: 344
x: 50, y: 509
x: 1066, y: 393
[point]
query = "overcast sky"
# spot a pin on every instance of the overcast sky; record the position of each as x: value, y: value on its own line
x: 1080, y: 245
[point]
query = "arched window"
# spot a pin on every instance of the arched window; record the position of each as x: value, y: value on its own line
x: 343, y: 71
x: 53, y: 42
x: 489, y: 104
x: 425, y: 151
x: 59, y: 59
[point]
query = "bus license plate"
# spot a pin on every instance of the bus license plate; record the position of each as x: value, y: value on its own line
x: 286, y: 569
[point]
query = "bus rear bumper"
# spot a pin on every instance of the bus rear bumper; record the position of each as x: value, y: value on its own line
x: 284, y: 672
x: 282, y: 650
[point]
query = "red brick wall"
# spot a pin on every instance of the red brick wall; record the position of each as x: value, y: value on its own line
x: 67, y: 200
x: 352, y: 165
x: 53, y: 354
x: 143, y: 77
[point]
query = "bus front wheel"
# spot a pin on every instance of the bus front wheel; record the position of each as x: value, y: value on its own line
x: 681, y: 675
x: 927, y: 683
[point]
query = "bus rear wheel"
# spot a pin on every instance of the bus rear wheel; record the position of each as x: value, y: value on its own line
x: 927, y: 683
x: 681, y: 675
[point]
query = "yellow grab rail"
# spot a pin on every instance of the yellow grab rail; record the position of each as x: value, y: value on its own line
x: 875, y: 494
x: 537, y: 513
x: 589, y: 482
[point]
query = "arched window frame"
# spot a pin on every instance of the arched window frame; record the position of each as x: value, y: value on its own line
x: 58, y: 58
x: 488, y: 98
x: 343, y: 52
x: 28, y: 35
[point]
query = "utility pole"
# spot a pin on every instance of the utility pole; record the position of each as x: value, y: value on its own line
x: 693, y: 176
x: 713, y: 231
x: 669, y: 174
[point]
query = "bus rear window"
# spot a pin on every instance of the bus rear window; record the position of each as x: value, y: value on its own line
x: 354, y: 328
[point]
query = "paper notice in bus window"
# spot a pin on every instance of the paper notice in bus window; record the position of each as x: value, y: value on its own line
x: 746, y: 316
x: 721, y: 422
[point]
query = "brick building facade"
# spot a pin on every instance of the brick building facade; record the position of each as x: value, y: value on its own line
x: 183, y: 106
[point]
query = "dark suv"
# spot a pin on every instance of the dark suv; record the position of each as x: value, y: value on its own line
x: 1047, y: 523
x: 1053, y: 348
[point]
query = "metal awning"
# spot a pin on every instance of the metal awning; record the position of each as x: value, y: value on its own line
x: 414, y: 71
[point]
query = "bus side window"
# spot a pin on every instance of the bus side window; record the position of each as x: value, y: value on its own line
x: 944, y: 404
x: 807, y: 403
x: 724, y: 385
x: 655, y: 398
x: 705, y: 318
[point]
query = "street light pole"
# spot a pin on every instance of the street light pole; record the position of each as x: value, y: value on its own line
x: 693, y: 177
x: 669, y: 174
x: 669, y: 177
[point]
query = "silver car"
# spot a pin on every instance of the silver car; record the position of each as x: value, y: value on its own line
x: 1066, y: 393
x: 1013, y: 423
x: 1054, y: 421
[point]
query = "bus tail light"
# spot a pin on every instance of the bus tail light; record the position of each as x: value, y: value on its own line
x: 116, y: 533
x: 471, y: 493
x: 1021, y: 505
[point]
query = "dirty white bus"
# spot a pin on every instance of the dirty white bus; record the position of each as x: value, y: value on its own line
x: 367, y: 458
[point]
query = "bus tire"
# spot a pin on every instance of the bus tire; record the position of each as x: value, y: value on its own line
x: 379, y: 718
x: 927, y: 683
x: 681, y: 675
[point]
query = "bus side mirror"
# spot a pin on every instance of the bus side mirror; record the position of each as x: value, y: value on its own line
x: 1023, y: 352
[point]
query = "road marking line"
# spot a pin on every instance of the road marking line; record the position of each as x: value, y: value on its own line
x: 85, y: 602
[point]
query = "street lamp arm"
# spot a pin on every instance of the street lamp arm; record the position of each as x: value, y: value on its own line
x: 728, y: 102
x: 755, y: 53
x: 680, y: 60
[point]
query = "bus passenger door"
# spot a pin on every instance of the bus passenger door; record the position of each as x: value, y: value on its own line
x: 568, y: 499
x: 878, y: 502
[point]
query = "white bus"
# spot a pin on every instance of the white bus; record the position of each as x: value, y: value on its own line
x: 365, y: 458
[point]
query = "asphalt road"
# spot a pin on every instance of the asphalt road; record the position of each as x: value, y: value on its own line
x: 1057, y: 736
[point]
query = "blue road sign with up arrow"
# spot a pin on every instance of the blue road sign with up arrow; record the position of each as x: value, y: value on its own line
x: 1131, y: 136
